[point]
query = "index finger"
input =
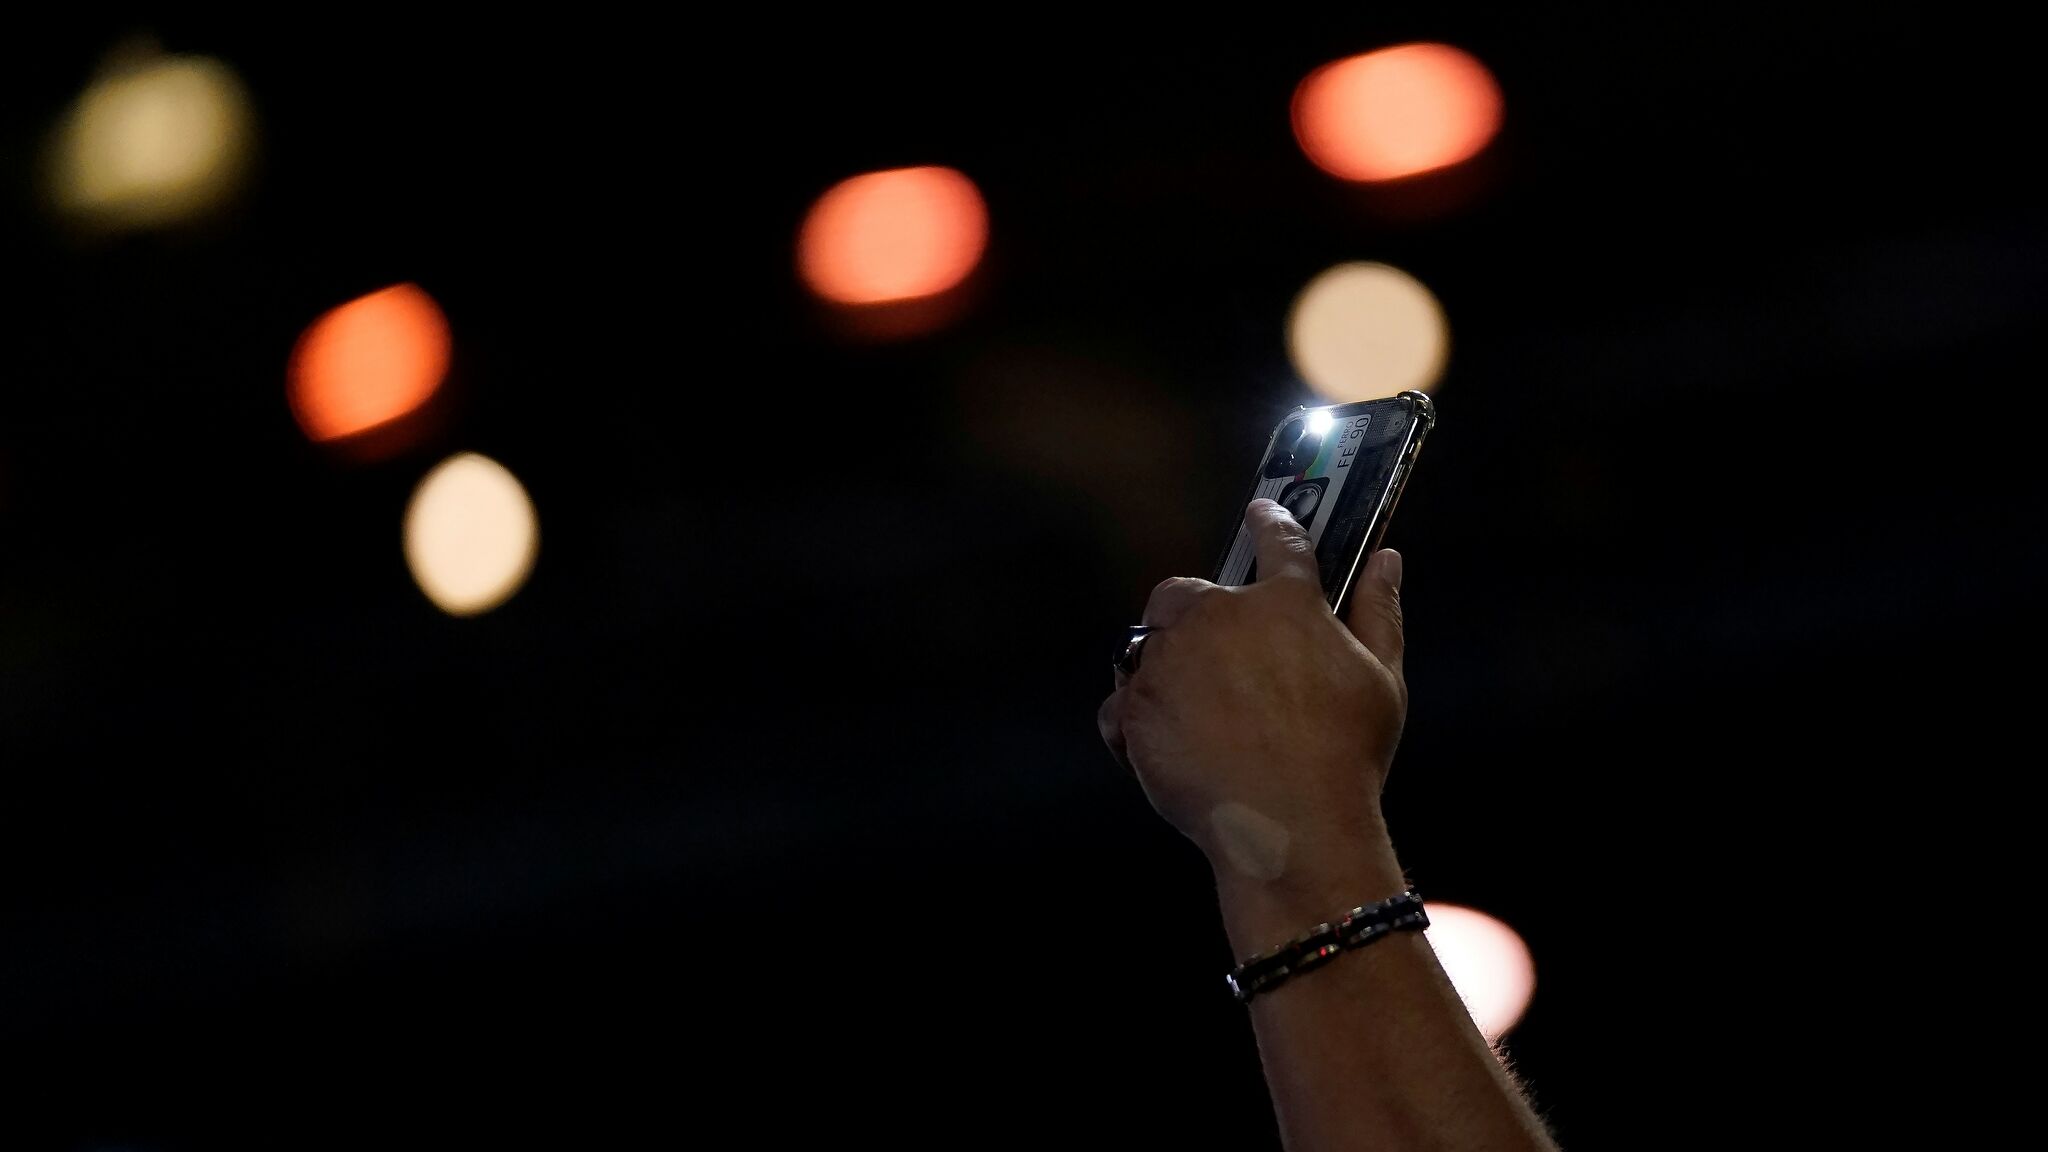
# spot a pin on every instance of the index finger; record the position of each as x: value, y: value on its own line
x: 1285, y: 550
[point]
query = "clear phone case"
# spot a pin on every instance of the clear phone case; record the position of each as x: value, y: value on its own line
x: 1340, y: 471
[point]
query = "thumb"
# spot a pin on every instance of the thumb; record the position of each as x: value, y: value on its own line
x: 1375, y: 616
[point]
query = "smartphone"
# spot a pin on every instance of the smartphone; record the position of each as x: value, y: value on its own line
x: 1340, y: 471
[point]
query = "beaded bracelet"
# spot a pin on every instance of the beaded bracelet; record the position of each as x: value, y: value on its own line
x: 1359, y: 927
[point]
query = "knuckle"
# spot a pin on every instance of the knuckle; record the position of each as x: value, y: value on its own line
x: 1168, y: 586
x: 1289, y: 532
x: 1177, y: 588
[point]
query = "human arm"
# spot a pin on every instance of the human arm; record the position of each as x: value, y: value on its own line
x: 1262, y: 727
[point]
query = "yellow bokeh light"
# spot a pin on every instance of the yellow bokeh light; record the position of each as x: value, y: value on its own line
x: 1362, y: 331
x: 470, y: 535
x: 1487, y: 963
x: 152, y: 142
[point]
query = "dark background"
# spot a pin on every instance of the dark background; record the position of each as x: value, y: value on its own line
x: 772, y: 807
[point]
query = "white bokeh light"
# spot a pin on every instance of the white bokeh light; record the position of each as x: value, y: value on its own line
x: 470, y: 535
x: 1363, y: 331
x: 1487, y: 963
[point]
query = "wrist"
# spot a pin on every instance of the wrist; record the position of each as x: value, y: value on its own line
x: 1261, y: 913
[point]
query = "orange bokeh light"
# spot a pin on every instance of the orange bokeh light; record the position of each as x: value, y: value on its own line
x: 1396, y: 112
x: 894, y: 235
x: 368, y: 362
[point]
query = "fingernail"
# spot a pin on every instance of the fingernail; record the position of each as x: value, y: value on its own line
x: 1390, y: 567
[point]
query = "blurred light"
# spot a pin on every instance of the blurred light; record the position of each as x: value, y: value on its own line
x: 1320, y: 422
x: 1487, y: 963
x: 895, y: 235
x: 1361, y: 331
x: 1396, y: 112
x: 152, y: 141
x: 470, y: 535
x: 368, y: 362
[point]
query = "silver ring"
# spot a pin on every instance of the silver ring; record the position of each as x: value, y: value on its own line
x: 1134, y: 650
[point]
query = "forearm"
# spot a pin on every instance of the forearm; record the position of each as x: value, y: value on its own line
x: 1374, y: 1049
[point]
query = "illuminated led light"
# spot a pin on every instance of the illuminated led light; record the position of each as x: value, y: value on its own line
x: 151, y: 142
x: 1362, y: 331
x: 1396, y: 112
x: 897, y: 235
x: 368, y: 362
x: 1488, y: 964
x: 470, y: 535
x: 1320, y: 422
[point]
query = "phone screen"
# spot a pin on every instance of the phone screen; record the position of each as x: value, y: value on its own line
x: 1333, y: 469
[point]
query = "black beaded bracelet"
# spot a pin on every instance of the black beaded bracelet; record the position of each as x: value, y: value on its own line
x: 1359, y: 927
